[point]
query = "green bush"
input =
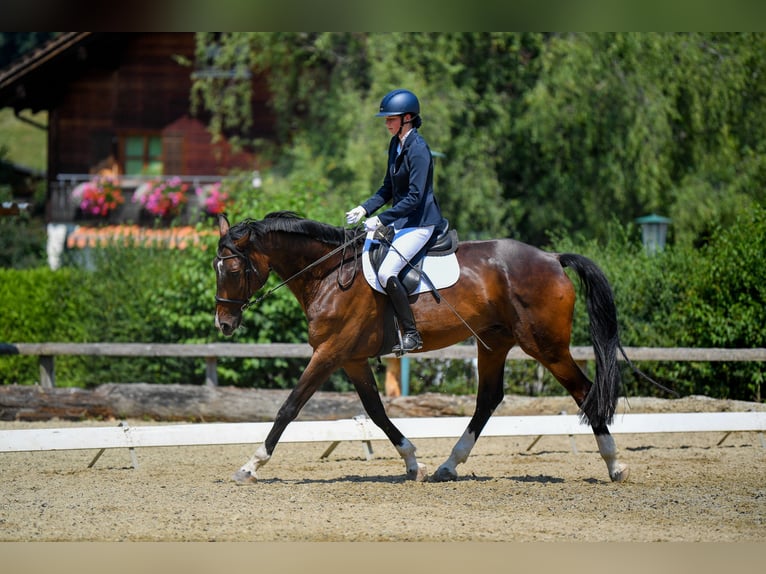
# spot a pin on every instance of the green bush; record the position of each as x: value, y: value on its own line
x: 686, y: 297
x: 39, y: 305
x: 724, y: 305
x: 22, y: 245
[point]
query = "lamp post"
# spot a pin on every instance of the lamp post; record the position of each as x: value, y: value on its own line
x: 654, y: 230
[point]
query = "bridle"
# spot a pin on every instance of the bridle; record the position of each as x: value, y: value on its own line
x: 236, y: 254
x: 249, y: 302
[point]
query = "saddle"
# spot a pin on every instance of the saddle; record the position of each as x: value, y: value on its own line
x: 440, y: 245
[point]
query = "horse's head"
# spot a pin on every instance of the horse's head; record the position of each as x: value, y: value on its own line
x: 239, y: 273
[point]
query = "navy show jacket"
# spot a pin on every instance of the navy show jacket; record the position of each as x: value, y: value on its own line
x: 408, y: 185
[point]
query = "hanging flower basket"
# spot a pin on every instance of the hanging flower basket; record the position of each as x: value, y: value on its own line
x: 163, y: 199
x: 98, y: 197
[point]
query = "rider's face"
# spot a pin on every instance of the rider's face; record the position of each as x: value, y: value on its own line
x: 393, y: 123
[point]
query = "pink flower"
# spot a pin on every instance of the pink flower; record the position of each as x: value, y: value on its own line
x: 163, y: 199
x: 212, y: 198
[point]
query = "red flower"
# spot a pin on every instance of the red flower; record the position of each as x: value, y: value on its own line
x: 99, y: 196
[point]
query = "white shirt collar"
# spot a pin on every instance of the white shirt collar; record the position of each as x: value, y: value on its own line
x: 402, y: 140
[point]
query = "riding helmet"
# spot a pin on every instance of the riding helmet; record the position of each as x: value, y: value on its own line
x: 399, y: 102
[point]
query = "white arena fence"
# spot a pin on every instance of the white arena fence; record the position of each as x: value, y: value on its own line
x: 364, y: 430
x: 359, y: 428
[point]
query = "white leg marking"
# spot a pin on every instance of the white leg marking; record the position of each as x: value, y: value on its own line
x: 618, y: 471
x: 460, y: 452
x: 462, y: 448
x: 260, y: 458
x: 415, y: 470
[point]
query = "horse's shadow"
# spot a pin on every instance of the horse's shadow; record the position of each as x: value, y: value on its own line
x: 391, y: 479
x: 541, y: 478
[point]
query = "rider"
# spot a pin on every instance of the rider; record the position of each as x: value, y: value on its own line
x: 414, y: 212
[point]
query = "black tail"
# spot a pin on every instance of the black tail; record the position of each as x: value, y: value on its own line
x: 601, y: 401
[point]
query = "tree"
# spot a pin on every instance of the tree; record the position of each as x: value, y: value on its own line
x: 625, y: 124
x: 539, y: 133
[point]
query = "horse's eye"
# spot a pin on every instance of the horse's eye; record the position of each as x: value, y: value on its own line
x: 221, y: 268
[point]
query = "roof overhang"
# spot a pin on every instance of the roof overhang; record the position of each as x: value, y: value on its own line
x: 27, y: 83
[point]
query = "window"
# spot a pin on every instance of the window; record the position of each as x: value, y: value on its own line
x: 143, y: 155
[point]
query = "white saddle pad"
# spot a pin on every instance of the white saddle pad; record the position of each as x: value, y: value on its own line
x: 443, y: 271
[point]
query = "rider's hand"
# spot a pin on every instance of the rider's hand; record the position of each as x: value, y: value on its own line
x: 355, y: 215
x: 372, y: 224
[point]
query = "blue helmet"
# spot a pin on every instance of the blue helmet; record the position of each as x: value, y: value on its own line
x: 398, y: 103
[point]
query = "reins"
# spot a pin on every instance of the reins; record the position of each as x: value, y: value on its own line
x: 250, y: 302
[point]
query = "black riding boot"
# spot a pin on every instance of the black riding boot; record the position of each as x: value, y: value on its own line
x: 411, y: 340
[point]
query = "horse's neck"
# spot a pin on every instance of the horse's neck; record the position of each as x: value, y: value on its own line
x: 290, y: 254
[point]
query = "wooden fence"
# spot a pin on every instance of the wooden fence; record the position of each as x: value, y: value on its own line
x: 210, y: 352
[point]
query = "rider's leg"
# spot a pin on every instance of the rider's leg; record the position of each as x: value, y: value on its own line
x: 406, y: 244
x: 411, y: 339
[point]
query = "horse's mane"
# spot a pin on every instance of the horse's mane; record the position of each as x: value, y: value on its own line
x: 290, y: 222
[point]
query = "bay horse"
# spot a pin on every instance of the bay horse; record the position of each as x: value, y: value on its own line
x: 508, y: 293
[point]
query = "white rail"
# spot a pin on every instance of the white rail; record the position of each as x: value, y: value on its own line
x: 363, y: 429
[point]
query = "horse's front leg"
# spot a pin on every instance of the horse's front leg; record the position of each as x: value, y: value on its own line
x: 363, y: 379
x: 247, y: 473
x: 311, y: 379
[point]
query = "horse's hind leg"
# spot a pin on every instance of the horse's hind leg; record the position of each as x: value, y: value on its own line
x: 364, y: 383
x: 569, y: 374
x: 491, y: 365
x: 618, y: 471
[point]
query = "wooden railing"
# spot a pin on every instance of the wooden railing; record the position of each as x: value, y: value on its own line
x: 210, y: 352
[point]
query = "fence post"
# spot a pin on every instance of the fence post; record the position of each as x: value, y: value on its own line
x: 392, y: 385
x: 405, y: 376
x: 211, y: 372
x: 47, y: 371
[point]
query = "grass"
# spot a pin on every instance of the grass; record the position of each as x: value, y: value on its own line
x: 25, y: 144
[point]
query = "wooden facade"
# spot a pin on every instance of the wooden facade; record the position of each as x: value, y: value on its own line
x: 119, y: 103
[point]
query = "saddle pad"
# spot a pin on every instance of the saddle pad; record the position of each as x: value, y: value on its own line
x: 443, y: 271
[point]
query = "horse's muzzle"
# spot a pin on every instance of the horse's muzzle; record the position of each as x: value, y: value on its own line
x: 226, y: 325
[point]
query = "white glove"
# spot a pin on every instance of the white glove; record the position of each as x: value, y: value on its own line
x: 355, y: 215
x: 372, y: 224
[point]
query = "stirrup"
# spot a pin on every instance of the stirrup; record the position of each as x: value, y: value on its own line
x: 410, y: 341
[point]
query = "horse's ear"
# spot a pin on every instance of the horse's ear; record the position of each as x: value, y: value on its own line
x: 223, y: 224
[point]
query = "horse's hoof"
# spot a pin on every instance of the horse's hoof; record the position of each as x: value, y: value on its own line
x: 621, y: 474
x: 443, y: 474
x: 244, y: 477
x: 419, y: 475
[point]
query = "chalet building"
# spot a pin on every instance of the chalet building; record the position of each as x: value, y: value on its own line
x: 119, y: 104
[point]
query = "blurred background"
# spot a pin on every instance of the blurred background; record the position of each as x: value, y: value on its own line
x: 643, y: 151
